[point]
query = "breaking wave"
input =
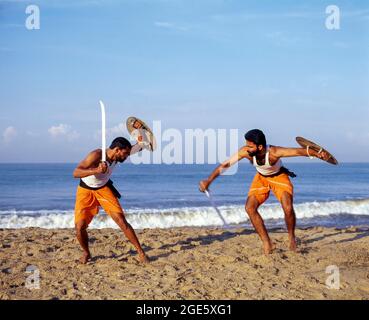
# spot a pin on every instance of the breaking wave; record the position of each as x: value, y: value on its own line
x: 185, y: 217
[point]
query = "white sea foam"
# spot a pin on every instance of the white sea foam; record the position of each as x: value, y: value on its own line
x: 181, y: 217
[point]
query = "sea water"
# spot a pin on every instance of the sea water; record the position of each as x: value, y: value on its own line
x: 165, y: 196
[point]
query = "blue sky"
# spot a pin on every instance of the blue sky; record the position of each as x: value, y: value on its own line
x: 240, y: 64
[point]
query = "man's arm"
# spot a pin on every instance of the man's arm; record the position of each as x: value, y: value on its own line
x: 281, y: 152
x: 239, y: 155
x: 135, y: 149
x: 90, y: 165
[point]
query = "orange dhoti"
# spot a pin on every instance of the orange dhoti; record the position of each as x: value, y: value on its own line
x: 261, y: 186
x: 88, y: 203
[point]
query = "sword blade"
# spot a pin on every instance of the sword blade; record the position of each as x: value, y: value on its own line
x: 103, y: 131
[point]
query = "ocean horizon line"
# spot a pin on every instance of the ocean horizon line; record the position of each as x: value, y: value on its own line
x: 183, y: 164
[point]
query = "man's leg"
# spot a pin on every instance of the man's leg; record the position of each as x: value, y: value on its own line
x: 251, y: 207
x: 128, y: 231
x: 82, y: 236
x: 290, y: 218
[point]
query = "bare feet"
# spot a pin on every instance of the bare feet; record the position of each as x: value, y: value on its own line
x: 85, y: 258
x: 293, y: 244
x: 143, y: 257
x: 268, y: 247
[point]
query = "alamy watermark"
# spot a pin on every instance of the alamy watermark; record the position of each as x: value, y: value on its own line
x: 33, y: 280
x: 333, y: 280
x: 333, y: 21
x: 33, y: 17
x: 191, y: 146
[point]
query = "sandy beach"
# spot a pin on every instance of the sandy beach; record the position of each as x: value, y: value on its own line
x: 187, y: 263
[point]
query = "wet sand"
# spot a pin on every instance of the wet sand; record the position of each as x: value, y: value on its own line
x: 187, y: 263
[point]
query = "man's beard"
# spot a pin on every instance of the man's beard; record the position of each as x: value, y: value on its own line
x: 253, y: 154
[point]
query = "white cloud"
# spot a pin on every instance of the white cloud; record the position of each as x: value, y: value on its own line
x: 63, y: 130
x: 119, y: 130
x: 169, y: 25
x: 9, y: 134
x: 163, y: 24
x: 32, y: 134
x: 59, y: 130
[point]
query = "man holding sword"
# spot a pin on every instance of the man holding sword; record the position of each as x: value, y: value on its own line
x: 96, y: 190
x: 271, y: 175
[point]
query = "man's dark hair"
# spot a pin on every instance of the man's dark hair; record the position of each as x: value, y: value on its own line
x: 121, y: 143
x: 256, y: 136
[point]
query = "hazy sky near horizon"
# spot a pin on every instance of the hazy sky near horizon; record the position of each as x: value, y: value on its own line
x: 204, y: 64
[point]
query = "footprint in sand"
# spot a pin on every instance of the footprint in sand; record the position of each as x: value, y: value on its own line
x: 6, y: 271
